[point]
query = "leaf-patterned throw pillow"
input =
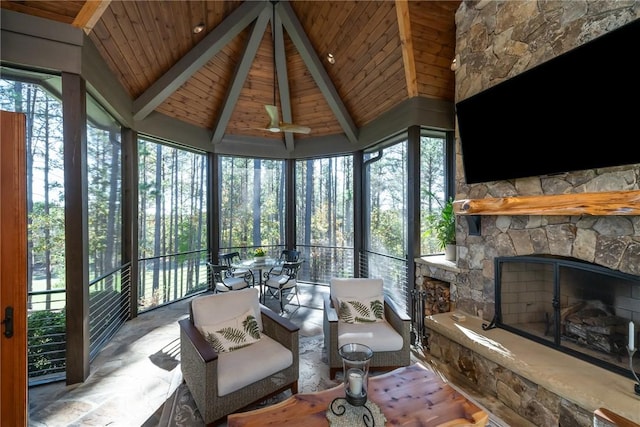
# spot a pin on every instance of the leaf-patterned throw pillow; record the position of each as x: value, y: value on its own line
x: 354, y: 310
x: 233, y: 334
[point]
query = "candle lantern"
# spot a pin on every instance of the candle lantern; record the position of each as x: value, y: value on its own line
x: 355, y: 363
x: 355, y: 368
x: 631, y: 349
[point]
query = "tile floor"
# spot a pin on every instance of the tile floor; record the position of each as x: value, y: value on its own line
x: 138, y: 370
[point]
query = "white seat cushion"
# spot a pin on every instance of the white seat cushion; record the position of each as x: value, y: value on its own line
x: 379, y: 336
x: 240, y: 271
x: 217, y: 308
x: 265, y: 358
x: 281, y: 281
x: 236, y: 283
x: 356, y: 287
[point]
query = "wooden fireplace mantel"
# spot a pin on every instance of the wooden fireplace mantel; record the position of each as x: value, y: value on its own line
x: 601, y: 203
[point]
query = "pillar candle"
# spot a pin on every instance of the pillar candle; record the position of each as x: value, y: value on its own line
x: 355, y: 382
x: 632, y: 336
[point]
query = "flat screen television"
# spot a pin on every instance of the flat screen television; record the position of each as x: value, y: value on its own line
x: 577, y: 111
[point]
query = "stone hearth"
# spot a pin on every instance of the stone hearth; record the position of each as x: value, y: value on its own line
x: 541, y: 384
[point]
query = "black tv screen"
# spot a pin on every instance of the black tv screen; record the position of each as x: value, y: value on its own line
x: 580, y: 110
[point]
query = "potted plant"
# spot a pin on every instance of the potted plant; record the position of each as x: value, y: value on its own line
x: 444, y: 227
x: 259, y: 255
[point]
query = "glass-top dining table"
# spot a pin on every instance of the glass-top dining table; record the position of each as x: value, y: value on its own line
x: 262, y: 266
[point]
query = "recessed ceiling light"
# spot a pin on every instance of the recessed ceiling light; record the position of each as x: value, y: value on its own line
x: 198, y: 28
x: 330, y: 58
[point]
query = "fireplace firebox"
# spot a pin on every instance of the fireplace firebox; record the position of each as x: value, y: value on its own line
x: 573, y: 306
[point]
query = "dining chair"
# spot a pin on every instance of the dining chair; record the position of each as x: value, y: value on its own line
x: 231, y: 258
x: 290, y: 255
x: 282, y: 281
x: 287, y: 255
x: 224, y: 281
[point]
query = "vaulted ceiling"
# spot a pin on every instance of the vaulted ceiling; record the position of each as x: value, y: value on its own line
x: 220, y: 79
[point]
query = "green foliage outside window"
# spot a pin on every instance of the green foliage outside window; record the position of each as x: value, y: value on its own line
x: 443, y: 225
x: 432, y: 190
x: 252, y: 203
x: 388, y: 200
x: 46, y: 342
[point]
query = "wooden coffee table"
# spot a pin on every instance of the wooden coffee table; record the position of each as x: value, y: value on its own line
x: 409, y: 396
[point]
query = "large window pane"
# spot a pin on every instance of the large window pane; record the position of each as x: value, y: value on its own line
x: 387, y: 215
x: 109, y: 279
x: 104, y: 191
x: 324, y: 217
x: 386, y: 185
x: 45, y: 208
x: 432, y: 189
x: 252, y: 204
x: 172, y: 223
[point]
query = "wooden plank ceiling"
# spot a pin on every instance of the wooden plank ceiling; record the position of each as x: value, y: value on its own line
x: 221, y: 78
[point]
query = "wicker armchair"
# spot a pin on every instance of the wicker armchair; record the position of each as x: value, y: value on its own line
x: 225, y: 382
x: 389, y: 338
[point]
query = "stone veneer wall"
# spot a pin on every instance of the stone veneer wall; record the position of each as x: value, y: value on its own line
x: 497, y: 40
x: 529, y: 400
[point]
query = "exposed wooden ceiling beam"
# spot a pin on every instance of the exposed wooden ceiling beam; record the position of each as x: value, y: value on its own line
x: 90, y: 14
x: 240, y: 74
x: 196, y: 58
x: 319, y: 74
x: 406, y: 39
x: 283, y: 79
x: 29, y: 9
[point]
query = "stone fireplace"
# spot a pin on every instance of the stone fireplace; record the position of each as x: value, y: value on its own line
x: 576, y: 307
x: 497, y: 40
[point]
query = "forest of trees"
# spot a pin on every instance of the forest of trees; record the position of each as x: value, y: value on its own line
x: 252, y: 206
x: 172, y: 223
x: 45, y: 182
x: 46, y: 213
x: 172, y: 200
x: 252, y: 203
x: 172, y: 206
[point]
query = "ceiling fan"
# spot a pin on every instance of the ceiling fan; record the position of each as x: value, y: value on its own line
x: 275, y: 125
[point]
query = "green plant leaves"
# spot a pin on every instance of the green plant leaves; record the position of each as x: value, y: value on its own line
x: 377, y: 307
x: 344, y: 312
x: 233, y: 335
x: 250, y: 325
x: 240, y: 333
x: 215, y: 342
x: 444, y: 225
x: 367, y: 311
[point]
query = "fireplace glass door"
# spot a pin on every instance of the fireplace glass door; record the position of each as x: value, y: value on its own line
x: 577, y: 307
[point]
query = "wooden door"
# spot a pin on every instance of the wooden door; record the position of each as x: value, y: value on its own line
x: 13, y: 270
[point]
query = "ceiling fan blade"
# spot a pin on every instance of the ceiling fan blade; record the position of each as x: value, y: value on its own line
x: 272, y: 111
x: 276, y: 126
x: 272, y: 130
x: 290, y: 127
